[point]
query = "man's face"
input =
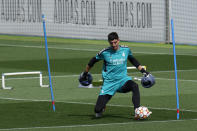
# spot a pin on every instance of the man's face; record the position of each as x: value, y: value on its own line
x: 114, y: 44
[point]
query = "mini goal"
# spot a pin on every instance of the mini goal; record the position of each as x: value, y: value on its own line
x: 22, y: 73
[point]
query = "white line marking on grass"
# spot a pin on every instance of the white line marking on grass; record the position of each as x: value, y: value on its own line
x: 42, y: 47
x: 174, y: 79
x: 166, y: 71
x: 153, y: 53
x: 94, y: 50
x: 97, y: 125
x: 173, y: 71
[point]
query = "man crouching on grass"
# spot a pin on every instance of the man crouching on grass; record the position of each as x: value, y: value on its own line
x: 114, y: 73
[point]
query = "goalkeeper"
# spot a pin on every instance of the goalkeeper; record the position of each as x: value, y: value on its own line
x: 114, y: 73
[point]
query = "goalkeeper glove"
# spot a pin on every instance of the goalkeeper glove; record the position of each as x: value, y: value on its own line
x: 85, y: 78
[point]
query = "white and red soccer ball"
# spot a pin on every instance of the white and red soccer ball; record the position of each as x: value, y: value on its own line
x: 142, y: 113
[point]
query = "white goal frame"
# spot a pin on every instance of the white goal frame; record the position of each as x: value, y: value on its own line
x: 21, y: 73
x: 133, y: 67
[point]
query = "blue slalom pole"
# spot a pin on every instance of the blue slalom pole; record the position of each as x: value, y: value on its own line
x: 47, y: 54
x: 175, y: 68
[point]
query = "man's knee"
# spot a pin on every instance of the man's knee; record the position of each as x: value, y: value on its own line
x: 130, y: 86
x: 101, y: 103
x: 98, y: 109
x: 135, y: 88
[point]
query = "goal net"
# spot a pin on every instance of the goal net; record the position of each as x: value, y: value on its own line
x: 134, y: 20
x: 183, y: 13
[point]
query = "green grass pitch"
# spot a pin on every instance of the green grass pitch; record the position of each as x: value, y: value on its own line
x: 27, y: 106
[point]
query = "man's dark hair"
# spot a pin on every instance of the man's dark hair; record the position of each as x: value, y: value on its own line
x: 112, y: 36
